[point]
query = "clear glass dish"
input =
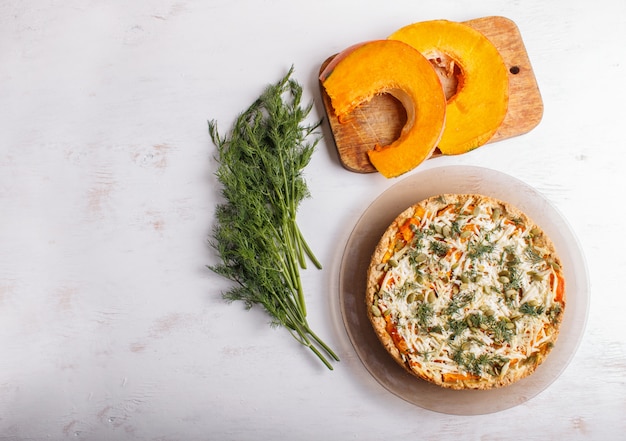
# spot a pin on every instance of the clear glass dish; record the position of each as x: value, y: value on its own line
x: 363, y: 240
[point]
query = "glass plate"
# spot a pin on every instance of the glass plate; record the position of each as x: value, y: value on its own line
x: 364, y: 238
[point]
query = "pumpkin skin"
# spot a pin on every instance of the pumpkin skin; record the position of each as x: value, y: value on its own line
x: 475, y: 112
x: 388, y: 66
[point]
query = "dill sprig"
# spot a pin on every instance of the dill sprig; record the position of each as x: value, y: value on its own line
x: 438, y: 247
x: 261, y: 247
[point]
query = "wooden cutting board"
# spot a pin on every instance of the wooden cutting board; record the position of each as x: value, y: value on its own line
x: 380, y: 120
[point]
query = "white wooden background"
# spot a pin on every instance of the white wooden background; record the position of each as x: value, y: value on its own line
x: 112, y: 328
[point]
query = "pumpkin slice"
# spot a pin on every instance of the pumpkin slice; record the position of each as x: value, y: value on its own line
x: 474, y: 76
x: 387, y: 66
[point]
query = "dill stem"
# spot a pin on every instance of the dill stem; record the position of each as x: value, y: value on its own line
x: 300, y: 325
x: 294, y: 231
x: 304, y: 331
x: 300, y: 330
x: 319, y: 341
x: 294, y: 273
x: 287, y: 269
x: 290, y: 209
x: 321, y: 357
x: 305, y: 246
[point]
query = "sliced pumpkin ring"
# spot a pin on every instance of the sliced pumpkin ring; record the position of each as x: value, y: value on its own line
x: 478, y: 96
x: 390, y: 67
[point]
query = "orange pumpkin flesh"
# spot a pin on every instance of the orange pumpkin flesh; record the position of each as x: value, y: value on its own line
x: 465, y: 58
x: 388, y: 66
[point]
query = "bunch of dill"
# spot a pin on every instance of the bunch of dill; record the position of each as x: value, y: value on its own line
x: 261, y: 247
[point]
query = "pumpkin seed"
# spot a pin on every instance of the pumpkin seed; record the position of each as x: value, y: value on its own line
x: 511, y: 293
x: 446, y: 231
x: 495, y: 215
x: 375, y: 311
x: 505, y: 368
